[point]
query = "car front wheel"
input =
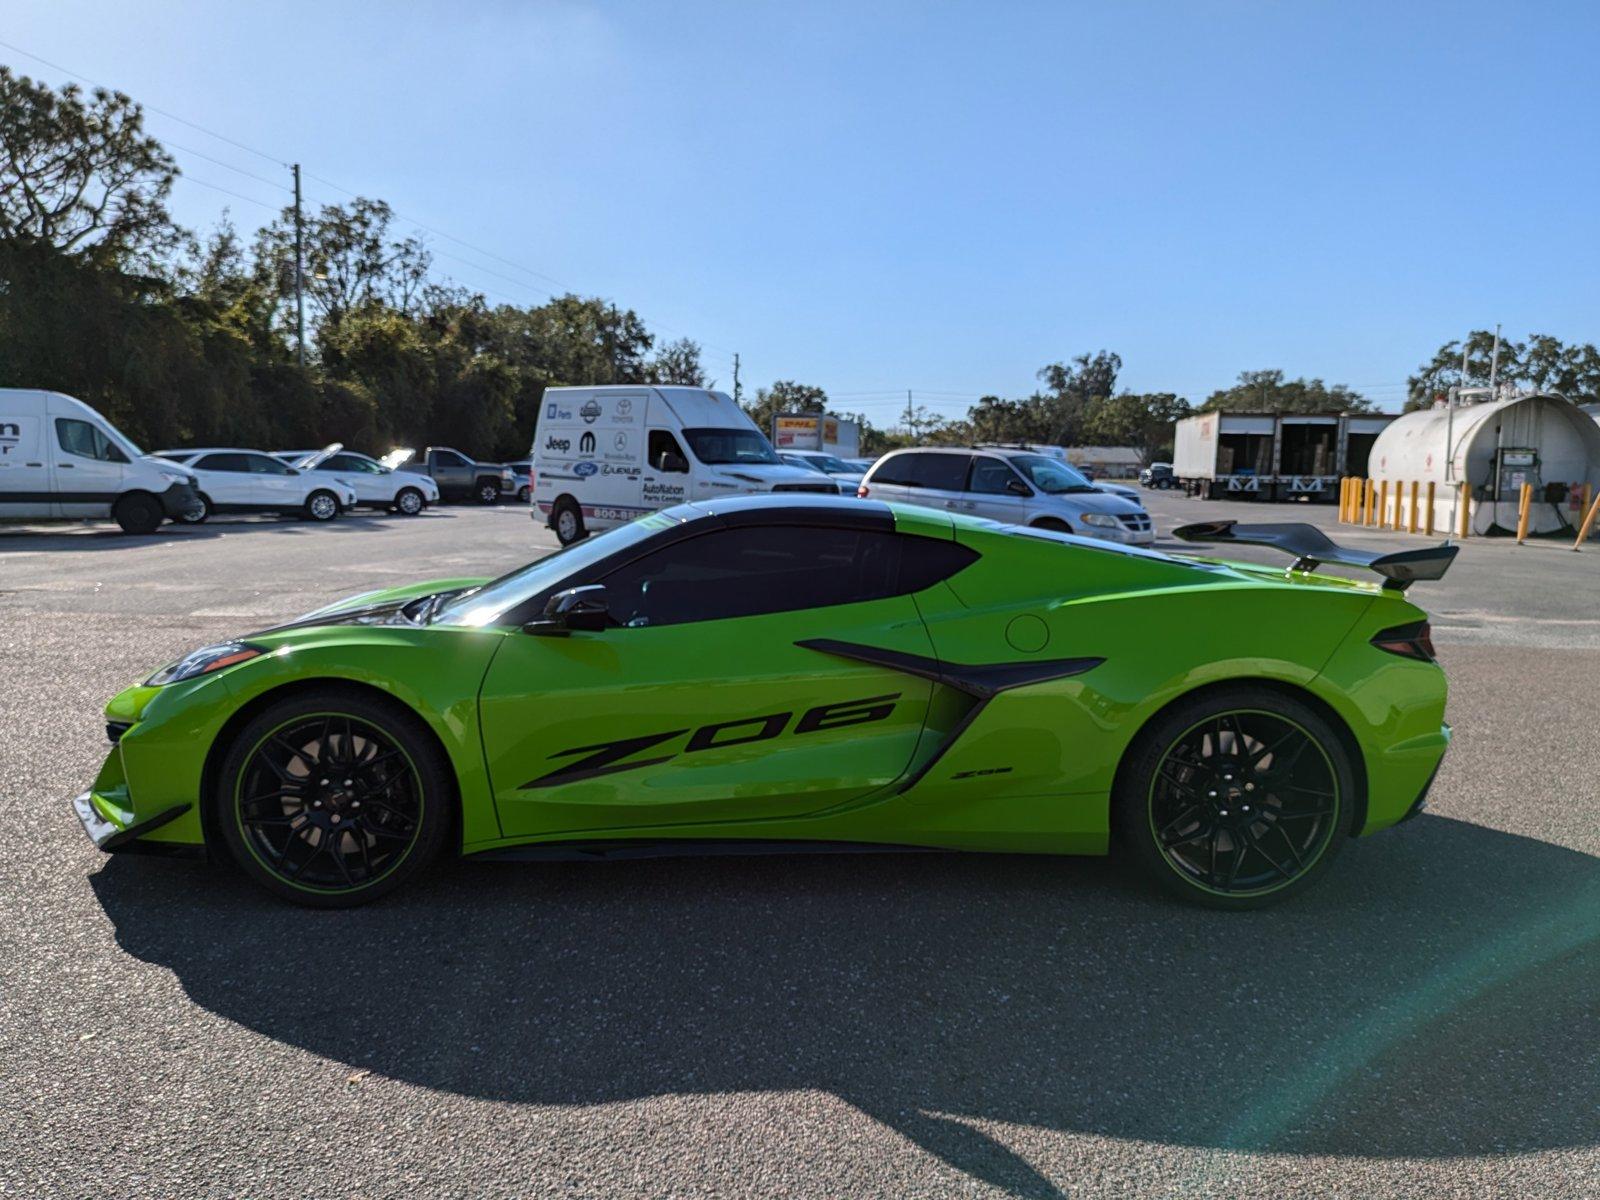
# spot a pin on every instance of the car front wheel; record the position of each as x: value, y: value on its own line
x: 488, y: 492
x: 409, y: 502
x: 322, y: 506
x: 332, y: 799
x: 1236, y: 799
x: 198, y: 516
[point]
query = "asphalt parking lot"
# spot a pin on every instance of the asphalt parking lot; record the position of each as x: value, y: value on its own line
x: 1423, y: 1023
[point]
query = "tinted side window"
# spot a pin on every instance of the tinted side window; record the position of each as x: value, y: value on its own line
x: 662, y: 442
x: 84, y: 440
x: 990, y: 476
x: 946, y: 472
x: 448, y: 458
x: 746, y: 572
x: 926, y: 561
x: 905, y: 470
x: 262, y: 464
x: 222, y: 462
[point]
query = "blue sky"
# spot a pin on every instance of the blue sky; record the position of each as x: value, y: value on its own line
x: 941, y: 197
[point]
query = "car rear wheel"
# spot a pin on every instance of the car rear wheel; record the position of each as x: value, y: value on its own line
x: 567, y: 520
x: 409, y: 502
x: 523, y: 493
x: 333, y: 799
x: 1237, y: 799
x: 322, y: 506
x: 137, y: 512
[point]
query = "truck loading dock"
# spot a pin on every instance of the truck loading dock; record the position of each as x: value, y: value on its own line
x: 1272, y: 456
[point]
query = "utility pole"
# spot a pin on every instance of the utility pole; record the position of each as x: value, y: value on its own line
x: 1494, y: 363
x: 299, y: 273
x: 908, y: 413
x: 736, y: 392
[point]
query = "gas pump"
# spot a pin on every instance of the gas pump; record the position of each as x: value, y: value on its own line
x: 1513, y: 467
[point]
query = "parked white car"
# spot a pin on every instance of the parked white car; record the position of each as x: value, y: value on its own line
x: 835, y: 468
x: 375, y: 485
x: 1014, y: 486
x: 251, y: 481
x: 60, y: 458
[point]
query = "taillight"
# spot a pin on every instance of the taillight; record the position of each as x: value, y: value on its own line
x: 1408, y: 641
x: 861, y: 492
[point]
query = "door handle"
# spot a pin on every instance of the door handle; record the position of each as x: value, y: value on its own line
x: 65, y: 466
x: 33, y: 464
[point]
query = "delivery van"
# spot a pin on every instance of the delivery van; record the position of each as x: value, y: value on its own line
x: 60, y: 458
x: 605, y: 455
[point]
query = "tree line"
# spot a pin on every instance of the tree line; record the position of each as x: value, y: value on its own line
x: 190, y: 339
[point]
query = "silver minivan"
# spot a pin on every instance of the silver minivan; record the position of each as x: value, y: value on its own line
x: 1014, y: 486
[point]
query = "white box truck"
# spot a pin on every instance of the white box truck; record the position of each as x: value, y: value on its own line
x: 605, y: 455
x: 60, y: 458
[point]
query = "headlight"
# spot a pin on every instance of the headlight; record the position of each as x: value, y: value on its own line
x: 1100, y: 520
x: 203, y: 662
x: 174, y: 477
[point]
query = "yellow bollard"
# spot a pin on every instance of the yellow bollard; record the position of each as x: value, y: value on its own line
x: 1588, y: 520
x: 1383, y: 504
x: 1368, y: 490
x: 1411, y: 526
x: 1429, y: 529
x: 1347, y: 501
x: 1466, y: 509
x: 1399, y: 507
x: 1524, y: 511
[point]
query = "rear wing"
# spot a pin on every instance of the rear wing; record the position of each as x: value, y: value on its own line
x: 1311, y: 548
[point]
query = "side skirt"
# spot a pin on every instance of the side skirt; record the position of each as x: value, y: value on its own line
x: 624, y: 849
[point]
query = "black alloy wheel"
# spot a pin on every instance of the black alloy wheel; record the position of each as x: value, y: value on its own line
x: 1234, y: 803
x: 331, y: 805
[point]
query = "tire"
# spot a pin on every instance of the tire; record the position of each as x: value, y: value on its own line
x: 321, y: 505
x: 310, y: 842
x: 207, y: 509
x: 408, y: 502
x: 1054, y: 523
x: 138, y: 512
x: 566, y: 518
x: 1205, y: 808
x: 486, y: 491
x: 524, y: 494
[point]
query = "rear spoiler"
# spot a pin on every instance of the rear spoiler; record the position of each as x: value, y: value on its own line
x: 1311, y: 548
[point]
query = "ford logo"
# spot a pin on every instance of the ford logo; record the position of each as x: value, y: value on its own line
x: 584, y: 469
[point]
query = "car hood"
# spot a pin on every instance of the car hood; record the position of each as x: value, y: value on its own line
x: 767, y: 473
x: 1098, y: 501
x: 312, y: 461
x: 370, y: 608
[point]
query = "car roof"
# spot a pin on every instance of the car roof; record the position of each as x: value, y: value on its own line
x: 216, y: 450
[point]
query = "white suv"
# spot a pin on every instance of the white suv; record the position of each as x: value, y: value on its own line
x: 1014, y: 486
x: 375, y: 485
x: 249, y: 481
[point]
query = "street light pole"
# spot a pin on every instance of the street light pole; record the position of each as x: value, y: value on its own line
x: 299, y: 273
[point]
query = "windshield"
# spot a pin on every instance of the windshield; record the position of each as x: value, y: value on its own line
x: 831, y: 465
x: 487, y: 604
x: 1050, y: 476
x: 719, y: 446
x: 808, y: 464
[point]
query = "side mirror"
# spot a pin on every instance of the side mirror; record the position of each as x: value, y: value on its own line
x: 669, y: 463
x: 1017, y: 488
x: 581, y: 608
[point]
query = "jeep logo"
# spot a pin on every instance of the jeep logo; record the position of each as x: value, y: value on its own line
x: 555, y: 443
x: 606, y: 757
x: 586, y: 443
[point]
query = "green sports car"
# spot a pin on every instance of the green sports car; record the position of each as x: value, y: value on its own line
x: 817, y: 673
